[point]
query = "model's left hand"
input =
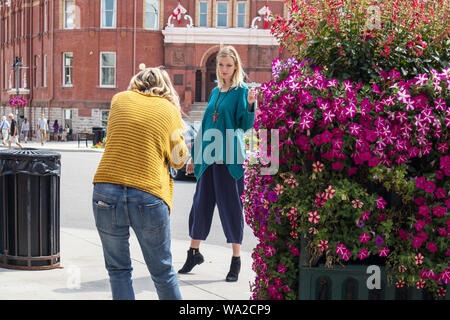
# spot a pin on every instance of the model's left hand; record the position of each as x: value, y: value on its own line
x: 251, y: 98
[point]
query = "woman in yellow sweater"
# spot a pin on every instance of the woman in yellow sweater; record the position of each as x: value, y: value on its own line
x: 132, y: 186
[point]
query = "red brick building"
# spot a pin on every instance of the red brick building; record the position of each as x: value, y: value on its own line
x: 76, y: 54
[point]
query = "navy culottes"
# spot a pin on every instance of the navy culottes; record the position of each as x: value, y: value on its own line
x: 217, y: 186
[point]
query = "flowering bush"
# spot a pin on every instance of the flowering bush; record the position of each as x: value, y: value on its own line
x: 363, y: 175
x: 352, y: 39
x: 17, y: 102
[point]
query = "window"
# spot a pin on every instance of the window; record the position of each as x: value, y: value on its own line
x: 241, y: 8
x: 67, y: 68
x: 108, y: 13
x: 22, y: 27
x: 105, y: 115
x: 203, y: 14
x: 151, y: 14
x: 178, y: 79
x: 35, y: 71
x: 44, y: 72
x: 5, y: 79
x: 69, y: 14
x: 68, y: 118
x: 6, y: 30
x: 222, y: 14
x: 107, y: 69
x: 45, y: 16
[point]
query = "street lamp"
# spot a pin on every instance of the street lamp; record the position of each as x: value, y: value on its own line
x: 17, y: 64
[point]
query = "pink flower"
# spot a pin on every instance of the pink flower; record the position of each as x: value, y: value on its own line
x: 337, y: 166
x: 424, y: 210
x: 317, y: 166
x: 281, y: 268
x: 363, y: 253
x: 364, y: 237
x: 346, y: 255
x: 383, y: 252
x: 420, y: 284
x: 420, y: 182
x: 429, y: 187
x: 329, y: 192
x: 418, y: 259
x: 365, y: 216
x: 286, y: 288
x: 439, y: 211
x: 445, y: 276
x: 323, y: 245
x: 341, y: 248
x: 419, y: 225
x: 313, y: 217
x: 381, y: 203
x: 440, y: 193
x: 431, y: 246
x: 270, y: 251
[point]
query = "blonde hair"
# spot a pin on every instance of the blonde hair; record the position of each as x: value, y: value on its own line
x: 238, y: 76
x: 155, y: 81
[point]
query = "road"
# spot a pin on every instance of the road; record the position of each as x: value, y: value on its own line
x: 77, y: 172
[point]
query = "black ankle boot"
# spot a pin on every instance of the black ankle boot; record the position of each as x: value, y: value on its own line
x: 194, y: 257
x: 235, y: 268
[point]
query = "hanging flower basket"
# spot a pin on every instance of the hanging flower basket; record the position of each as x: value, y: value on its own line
x: 17, y: 102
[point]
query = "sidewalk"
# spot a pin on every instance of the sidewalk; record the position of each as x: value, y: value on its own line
x: 82, y: 258
x: 58, y: 146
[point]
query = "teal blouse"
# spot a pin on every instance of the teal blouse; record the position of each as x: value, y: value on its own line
x: 223, y: 140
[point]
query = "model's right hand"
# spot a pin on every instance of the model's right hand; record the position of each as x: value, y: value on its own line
x: 190, y: 166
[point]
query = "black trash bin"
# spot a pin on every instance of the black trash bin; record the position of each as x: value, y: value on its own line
x: 29, y: 209
x: 99, y: 134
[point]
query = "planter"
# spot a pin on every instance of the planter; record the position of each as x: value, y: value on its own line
x: 349, y: 282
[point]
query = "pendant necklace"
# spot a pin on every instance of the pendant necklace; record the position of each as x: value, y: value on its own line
x: 216, y: 105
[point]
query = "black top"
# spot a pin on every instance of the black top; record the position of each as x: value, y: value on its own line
x: 12, y: 128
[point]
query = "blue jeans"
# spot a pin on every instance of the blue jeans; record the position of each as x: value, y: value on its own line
x: 116, y: 208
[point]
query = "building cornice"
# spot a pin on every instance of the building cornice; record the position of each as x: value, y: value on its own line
x: 235, y: 36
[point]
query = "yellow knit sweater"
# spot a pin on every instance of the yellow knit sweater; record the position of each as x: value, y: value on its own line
x: 144, y: 134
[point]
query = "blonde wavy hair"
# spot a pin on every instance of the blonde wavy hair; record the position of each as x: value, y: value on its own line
x: 155, y: 81
x: 238, y: 77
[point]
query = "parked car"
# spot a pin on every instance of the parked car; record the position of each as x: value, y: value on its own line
x: 189, y: 136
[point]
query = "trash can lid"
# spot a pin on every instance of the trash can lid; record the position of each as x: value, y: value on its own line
x: 28, y: 153
x: 30, y: 161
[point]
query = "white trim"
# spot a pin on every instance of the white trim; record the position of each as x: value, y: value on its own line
x: 64, y: 71
x: 237, y: 13
x: 64, y: 15
x: 114, y: 16
x: 235, y: 36
x: 44, y: 71
x: 158, y: 13
x: 100, y: 70
x: 217, y: 14
x: 200, y: 14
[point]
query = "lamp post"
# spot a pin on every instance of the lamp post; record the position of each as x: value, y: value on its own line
x: 17, y: 64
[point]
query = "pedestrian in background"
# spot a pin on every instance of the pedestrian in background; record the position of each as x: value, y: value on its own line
x: 4, y: 126
x: 132, y: 186
x: 55, y: 130
x: 230, y: 106
x: 13, y: 132
x: 42, y: 127
x: 25, y: 129
x: 47, y: 133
